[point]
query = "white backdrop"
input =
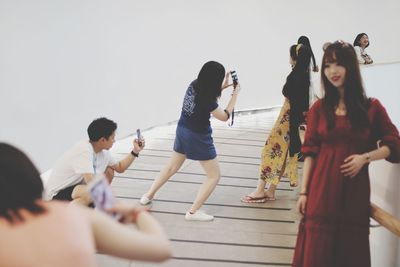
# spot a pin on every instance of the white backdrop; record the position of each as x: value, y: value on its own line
x: 382, y: 82
x: 66, y: 62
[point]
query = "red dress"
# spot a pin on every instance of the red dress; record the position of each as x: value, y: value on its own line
x: 335, y: 228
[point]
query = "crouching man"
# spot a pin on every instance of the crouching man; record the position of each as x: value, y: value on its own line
x: 77, y: 167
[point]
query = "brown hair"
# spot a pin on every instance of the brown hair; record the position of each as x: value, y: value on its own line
x: 20, y: 184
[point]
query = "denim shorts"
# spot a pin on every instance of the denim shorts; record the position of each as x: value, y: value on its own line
x: 196, y: 146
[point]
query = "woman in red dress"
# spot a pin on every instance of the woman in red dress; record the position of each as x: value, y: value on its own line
x: 342, y: 132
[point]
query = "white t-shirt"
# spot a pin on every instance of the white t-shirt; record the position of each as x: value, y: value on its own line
x: 361, y: 55
x: 78, y: 160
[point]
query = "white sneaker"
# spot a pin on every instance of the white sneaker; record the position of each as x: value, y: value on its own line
x: 145, y: 200
x: 198, y: 216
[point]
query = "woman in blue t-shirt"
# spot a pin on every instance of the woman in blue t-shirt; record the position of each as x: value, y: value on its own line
x: 193, y: 134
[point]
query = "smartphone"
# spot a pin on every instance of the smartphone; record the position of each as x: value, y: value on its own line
x: 234, y: 78
x: 139, y: 137
x: 102, y: 196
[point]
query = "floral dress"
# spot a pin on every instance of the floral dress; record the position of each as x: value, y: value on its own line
x: 275, y: 158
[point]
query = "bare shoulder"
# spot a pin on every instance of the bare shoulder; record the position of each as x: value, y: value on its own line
x: 69, y: 213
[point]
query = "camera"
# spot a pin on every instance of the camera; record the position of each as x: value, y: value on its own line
x: 234, y: 78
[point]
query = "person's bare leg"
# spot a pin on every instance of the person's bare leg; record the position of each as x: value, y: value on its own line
x: 109, y: 173
x: 211, y: 167
x: 270, y: 193
x: 175, y: 163
x: 81, y: 195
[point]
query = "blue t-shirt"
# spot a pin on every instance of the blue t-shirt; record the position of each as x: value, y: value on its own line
x: 196, y: 116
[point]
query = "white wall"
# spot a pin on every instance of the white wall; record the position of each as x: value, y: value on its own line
x: 382, y: 82
x: 66, y: 62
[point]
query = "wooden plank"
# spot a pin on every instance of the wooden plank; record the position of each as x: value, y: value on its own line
x: 242, y: 234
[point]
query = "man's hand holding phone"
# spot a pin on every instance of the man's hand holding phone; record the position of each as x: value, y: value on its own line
x: 139, y: 142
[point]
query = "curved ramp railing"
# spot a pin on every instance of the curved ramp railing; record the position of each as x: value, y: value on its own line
x: 385, y: 219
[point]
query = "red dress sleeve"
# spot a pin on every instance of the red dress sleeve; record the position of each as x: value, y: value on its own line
x: 312, y: 142
x: 386, y: 131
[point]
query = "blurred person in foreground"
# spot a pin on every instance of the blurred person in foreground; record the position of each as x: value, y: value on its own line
x: 36, y: 233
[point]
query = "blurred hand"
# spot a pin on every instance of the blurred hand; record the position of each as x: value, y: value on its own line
x: 128, y: 213
x: 352, y: 165
x: 301, y: 205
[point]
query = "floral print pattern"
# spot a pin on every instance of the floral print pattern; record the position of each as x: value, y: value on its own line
x: 275, y: 152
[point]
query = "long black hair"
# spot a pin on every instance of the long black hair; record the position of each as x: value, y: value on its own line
x: 20, y: 184
x: 299, y: 77
x: 209, y: 82
x: 358, y: 38
x: 305, y: 41
x: 303, y: 56
x: 355, y: 98
x: 297, y: 89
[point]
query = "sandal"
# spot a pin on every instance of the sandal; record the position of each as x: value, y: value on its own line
x: 267, y: 198
x: 250, y: 199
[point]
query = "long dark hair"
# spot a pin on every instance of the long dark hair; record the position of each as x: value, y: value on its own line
x: 355, y: 98
x: 299, y: 77
x: 209, y: 81
x: 358, y: 38
x: 297, y: 89
x: 293, y: 52
x: 301, y: 54
x: 305, y: 41
x: 303, y: 57
x: 20, y: 184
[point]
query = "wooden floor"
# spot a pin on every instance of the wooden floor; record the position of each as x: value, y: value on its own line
x: 241, y: 234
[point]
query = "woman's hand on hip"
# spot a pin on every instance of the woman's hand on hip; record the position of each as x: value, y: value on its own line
x: 352, y: 165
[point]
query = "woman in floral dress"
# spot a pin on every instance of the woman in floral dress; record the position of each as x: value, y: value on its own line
x: 342, y: 132
x: 280, y: 154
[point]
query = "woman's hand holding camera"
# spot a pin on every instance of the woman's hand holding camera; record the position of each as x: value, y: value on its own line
x: 226, y: 83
